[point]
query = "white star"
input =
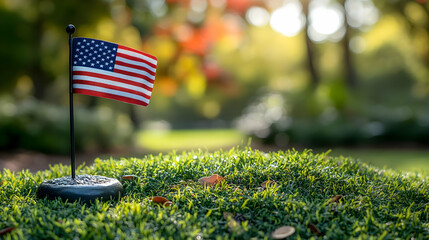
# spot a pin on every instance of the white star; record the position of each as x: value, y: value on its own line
x: 113, y: 55
x: 104, y: 53
x: 83, y: 63
x: 87, y: 44
x: 110, y: 68
x: 91, y: 48
x: 80, y: 59
x: 78, y: 43
x: 101, y: 65
x: 105, y: 47
x: 99, y: 55
x: 98, y: 62
x: 92, y: 64
x: 75, y: 55
x: 108, y: 57
x: 84, y: 57
x: 95, y: 51
x: 77, y: 50
x: 92, y: 41
x: 111, y: 61
x: 93, y: 58
x: 74, y: 62
x: 114, y: 49
x: 102, y: 43
x: 84, y: 40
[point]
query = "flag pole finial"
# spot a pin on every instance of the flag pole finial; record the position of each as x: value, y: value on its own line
x: 70, y: 29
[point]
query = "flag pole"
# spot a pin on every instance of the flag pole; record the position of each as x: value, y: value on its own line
x: 70, y: 30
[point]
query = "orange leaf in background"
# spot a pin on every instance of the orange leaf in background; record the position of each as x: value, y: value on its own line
x: 129, y: 177
x: 212, y: 180
x: 315, y: 230
x: 161, y: 201
x: 6, y: 230
x: 283, y: 232
x: 268, y: 183
x: 1, y: 183
x: 335, y: 198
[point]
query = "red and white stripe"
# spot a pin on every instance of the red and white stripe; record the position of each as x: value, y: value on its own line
x: 131, y: 81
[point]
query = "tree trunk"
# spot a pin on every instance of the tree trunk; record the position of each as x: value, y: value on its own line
x: 309, y: 45
x: 349, y: 67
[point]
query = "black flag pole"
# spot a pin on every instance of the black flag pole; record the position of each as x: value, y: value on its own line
x: 70, y: 30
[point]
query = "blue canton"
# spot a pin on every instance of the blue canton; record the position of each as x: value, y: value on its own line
x: 94, y: 53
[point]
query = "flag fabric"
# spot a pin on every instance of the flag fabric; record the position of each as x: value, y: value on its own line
x: 109, y: 70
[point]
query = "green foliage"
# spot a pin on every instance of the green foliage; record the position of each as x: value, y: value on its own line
x: 375, y: 204
x: 42, y: 127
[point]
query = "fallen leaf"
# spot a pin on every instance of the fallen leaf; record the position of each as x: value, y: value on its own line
x: 314, y: 230
x: 283, y: 232
x: 161, y: 201
x: 239, y: 218
x: 227, y: 215
x: 129, y: 177
x: 212, y: 180
x: 267, y: 184
x: 336, y: 198
x: 6, y: 230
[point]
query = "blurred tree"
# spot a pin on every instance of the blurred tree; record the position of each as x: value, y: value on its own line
x: 37, y: 36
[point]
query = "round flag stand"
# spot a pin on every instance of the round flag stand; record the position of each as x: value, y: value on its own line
x: 86, y: 188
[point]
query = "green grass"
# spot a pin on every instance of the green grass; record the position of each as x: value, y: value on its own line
x: 210, y: 139
x: 377, y: 204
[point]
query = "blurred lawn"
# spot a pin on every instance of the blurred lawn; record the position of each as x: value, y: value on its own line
x: 408, y: 160
x: 165, y: 141
x: 210, y: 139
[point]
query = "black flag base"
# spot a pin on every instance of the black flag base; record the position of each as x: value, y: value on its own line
x: 86, y: 188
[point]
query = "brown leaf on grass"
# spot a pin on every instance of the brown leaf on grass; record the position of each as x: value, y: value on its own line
x: 336, y: 198
x: 129, y: 177
x: 227, y: 215
x: 161, y: 201
x: 283, y: 232
x: 6, y: 230
x: 315, y: 230
x: 213, y: 180
x: 267, y: 184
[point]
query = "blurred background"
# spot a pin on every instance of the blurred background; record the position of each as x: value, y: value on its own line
x: 346, y: 75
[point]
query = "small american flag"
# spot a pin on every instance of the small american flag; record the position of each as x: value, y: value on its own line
x: 109, y: 70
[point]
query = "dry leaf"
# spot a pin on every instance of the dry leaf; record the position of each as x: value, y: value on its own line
x: 267, y: 183
x: 239, y: 218
x: 212, y: 180
x: 227, y: 215
x: 129, y: 177
x: 336, y: 198
x: 315, y: 230
x: 6, y: 230
x: 161, y: 201
x: 283, y: 232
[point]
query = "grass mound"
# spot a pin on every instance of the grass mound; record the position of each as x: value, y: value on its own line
x: 369, y: 202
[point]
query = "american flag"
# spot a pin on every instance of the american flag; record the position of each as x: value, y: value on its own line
x: 109, y: 70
